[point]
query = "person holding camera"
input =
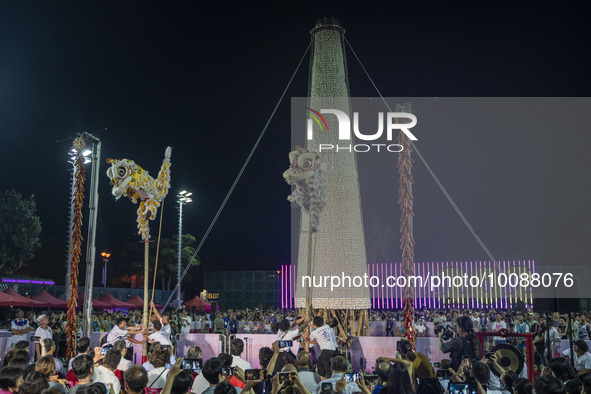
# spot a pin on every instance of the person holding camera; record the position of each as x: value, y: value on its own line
x: 464, y: 344
x: 423, y: 374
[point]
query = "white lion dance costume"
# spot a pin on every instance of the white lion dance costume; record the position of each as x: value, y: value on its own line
x: 306, y: 172
x: 131, y: 180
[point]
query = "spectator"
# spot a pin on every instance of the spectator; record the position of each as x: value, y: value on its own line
x: 11, y: 378
x: 583, y: 328
x: 561, y: 368
x: 212, y: 372
x: 421, y: 367
x: 420, y: 328
x: 82, y: 347
x: 574, y: 331
x: 338, y: 366
x: 224, y: 388
x: 46, y: 366
x: 136, y: 379
x: 499, y: 325
x: 44, y: 332
x: 582, y: 357
x: 573, y: 386
x: 522, y: 386
x: 549, y: 384
x: 586, y: 385
x: 157, y: 376
x: 218, y: 325
x: 50, y: 350
x: 466, y: 344
x: 398, y: 381
x: 521, y: 328
x: 106, y: 373
x: 20, y: 362
x: 227, y: 360
x: 308, y: 377
x: 124, y: 364
x: 236, y: 349
x: 97, y: 388
x: 34, y: 383
x: 323, y: 335
x: 83, y: 367
x: 20, y: 328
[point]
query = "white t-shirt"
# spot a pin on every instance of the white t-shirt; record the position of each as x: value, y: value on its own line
x: 581, y: 363
x: 497, y: 326
x: 157, y: 378
x: 240, y: 362
x: 104, y: 375
x: 124, y: 364
x: 114, y: 335
x: 420, y: 328
x: 166, y: 330
x: 186, y: 325
x: 287, y: 336
x: 44, y: 334
x: 325, y: 337
x: 200, y: 384
x: 158, y: 336
x: 19, y: 325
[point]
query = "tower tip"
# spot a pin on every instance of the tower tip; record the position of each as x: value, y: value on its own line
x: 327, y: 23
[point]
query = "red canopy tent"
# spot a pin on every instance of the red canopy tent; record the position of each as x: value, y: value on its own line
x: 199, y: 304
x: 139, y: 302
x: 24, y: 301
x: 95, y: 303
x: 8, y: 300
x: 115, y: 303
x: 49, y: 301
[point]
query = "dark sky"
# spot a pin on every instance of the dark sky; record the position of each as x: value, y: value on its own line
x: 203, y: 77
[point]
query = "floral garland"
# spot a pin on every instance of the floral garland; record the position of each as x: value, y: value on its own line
x: 80, y: 176
x: 405, y: 199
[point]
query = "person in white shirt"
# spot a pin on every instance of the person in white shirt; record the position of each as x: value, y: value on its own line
x: 44, y: 332
x: 82, y: 347
x: 582, y: 357
x: 158, y: 336
x: 106, y: 373
x: 499, y: 325
x: 185, y: 323
x: 120, y: 331
x: 324, y: 336
x: 287, y: 333
x: 236, y: 349
x: 124, y: 364
x: 164, y: 320
x: 20, y: 328
x: 157, y: 376
x: 338, y: 366
x: 420, y: 328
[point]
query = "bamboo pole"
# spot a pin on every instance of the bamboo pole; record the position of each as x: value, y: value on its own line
x: 146, y: 274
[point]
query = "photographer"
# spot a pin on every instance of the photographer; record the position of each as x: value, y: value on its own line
x: 466, y: 344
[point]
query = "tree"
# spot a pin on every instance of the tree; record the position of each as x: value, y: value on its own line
x: 131, y: 261
x: 168, y: 259
x: 19, y: 230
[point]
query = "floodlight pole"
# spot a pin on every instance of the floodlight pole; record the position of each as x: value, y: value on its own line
x: 91, y: 247
x: 183, y: 198
x: 178, y: 268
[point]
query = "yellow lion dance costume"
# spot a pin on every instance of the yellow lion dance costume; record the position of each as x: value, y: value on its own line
x: 131, y: 180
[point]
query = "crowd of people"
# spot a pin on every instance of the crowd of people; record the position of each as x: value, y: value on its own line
x: 469, y: 368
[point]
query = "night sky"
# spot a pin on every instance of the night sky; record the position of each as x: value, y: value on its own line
x: 203, y: 77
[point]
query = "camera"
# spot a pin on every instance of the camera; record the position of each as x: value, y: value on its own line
x: 447, y: 332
